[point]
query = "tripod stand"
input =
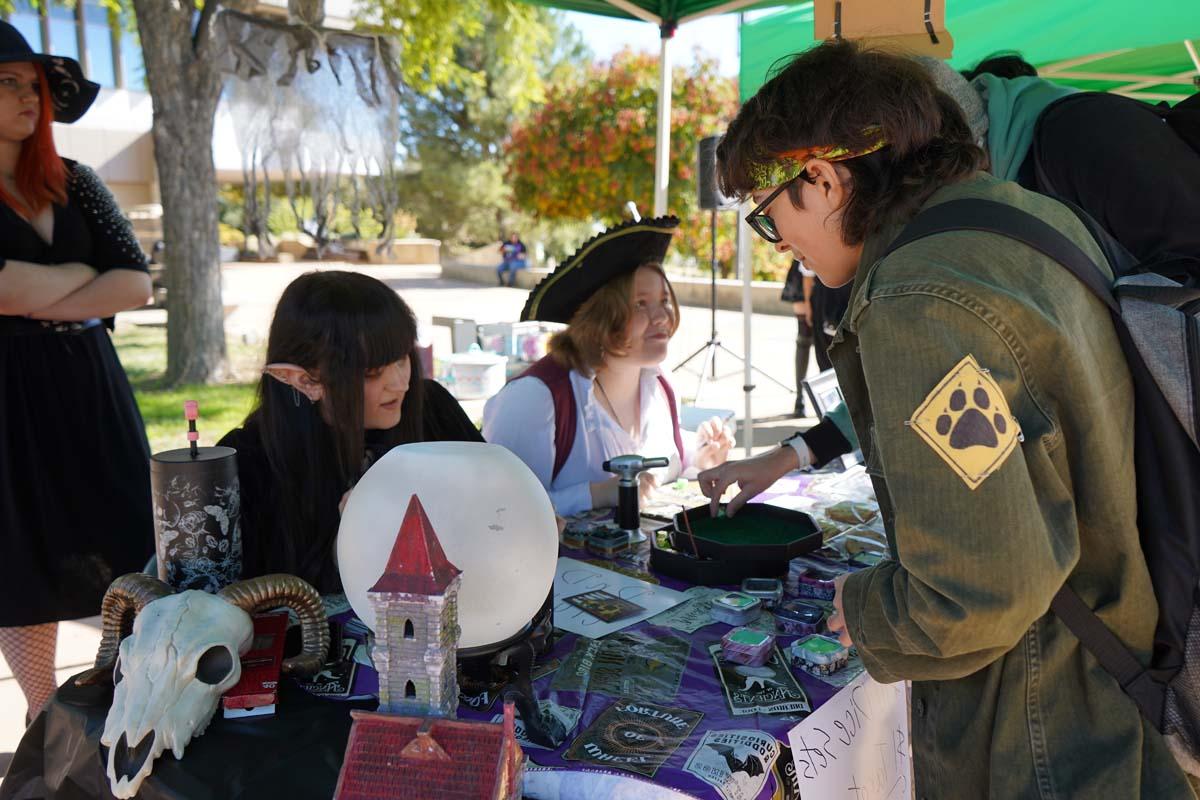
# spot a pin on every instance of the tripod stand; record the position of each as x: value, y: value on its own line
x: 710, y: 348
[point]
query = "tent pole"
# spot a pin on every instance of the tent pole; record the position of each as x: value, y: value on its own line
x: 662, y: 145
x: 745, y: 263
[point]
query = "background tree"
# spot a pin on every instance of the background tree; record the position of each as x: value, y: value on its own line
x: 590, y: 147
x: 497, y: 73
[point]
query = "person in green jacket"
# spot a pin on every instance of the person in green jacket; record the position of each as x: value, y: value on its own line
x: 995, y: 412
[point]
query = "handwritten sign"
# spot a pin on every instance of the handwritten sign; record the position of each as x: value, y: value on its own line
x: 575, y: 577
x: 856, y: 746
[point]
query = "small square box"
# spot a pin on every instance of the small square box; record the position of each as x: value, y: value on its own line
x: 768, y: 590
x: 820, y: 655
x: 607, y: 541
x: 735, y: 608
x: 799, y: 618
x: 745, y: 646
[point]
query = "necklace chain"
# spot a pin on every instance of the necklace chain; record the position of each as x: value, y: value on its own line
x: 611, y: 406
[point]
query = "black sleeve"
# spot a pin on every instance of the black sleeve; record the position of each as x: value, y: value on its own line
x: 254, y: 481
x: 826, y: 442
x: 113, y: 243
x: 444, y: 419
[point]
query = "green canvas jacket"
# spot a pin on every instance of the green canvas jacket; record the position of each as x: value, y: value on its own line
x: 993, y: 497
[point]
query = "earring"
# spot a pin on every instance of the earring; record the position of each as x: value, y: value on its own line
x: 296, y: 397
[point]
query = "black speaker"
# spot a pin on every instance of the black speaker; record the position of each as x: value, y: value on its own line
x: 708, y: 193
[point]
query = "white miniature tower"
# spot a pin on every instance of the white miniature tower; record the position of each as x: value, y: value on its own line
x: 416, y: 623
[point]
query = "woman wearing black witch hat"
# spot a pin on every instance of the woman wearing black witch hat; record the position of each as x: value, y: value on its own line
x: 75, y: 508
x: 600, y: 392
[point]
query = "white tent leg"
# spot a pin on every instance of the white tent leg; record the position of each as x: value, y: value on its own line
x: 745, y: 263
x: 662, y: 146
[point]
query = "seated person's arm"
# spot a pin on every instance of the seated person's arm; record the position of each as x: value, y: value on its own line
x: 521, y: 418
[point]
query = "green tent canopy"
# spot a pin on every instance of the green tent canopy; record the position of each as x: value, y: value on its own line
x: 1137, y: 49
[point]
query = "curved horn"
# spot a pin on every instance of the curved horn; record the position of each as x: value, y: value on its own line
x: 272, y: 591
x: 124, y: 600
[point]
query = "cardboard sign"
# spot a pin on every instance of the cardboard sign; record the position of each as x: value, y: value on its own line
x: 917, y: 26
x: 856, y: 746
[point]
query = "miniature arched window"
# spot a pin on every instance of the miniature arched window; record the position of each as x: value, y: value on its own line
x: 408, y: 629
x: 410, y: 690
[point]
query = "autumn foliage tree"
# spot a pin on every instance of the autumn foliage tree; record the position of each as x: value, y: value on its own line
x: 590, y: 147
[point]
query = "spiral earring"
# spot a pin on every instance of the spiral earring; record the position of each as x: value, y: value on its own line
x: 296, y: 396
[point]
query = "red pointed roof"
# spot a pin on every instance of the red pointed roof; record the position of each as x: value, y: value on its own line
x: 418, y: 565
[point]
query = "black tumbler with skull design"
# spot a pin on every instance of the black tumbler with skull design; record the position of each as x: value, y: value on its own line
x: 197, y: 501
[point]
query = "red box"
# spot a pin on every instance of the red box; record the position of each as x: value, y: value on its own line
x: 255, y: 694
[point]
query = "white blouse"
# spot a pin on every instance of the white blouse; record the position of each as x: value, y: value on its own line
x: 521, y: 418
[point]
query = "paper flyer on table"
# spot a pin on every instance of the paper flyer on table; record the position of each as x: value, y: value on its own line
x: 856, y: 746
x: 575, y: 578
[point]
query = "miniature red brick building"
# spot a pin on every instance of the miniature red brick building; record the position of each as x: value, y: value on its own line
x: 430, y: 758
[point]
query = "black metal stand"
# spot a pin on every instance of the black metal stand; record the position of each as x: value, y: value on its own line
x: 710, y: 348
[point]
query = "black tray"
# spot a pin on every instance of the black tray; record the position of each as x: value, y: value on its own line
x: 805, y: 539
x: 709, y: 572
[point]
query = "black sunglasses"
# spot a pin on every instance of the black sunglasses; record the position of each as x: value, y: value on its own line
x: 761, y: 221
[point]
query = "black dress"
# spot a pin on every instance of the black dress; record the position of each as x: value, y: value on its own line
x: 443, y: 420
x: 75, y: 508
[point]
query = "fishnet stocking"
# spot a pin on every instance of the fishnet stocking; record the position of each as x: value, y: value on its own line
x: 29, y: 651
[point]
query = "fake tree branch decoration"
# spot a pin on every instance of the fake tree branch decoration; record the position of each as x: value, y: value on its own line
x: 319, y: 108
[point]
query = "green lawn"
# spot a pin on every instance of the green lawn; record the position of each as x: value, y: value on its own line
x: 143, y: 352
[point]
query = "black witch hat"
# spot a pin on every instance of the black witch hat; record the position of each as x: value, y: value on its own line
x: 71, y: 92
x: 602, y: 258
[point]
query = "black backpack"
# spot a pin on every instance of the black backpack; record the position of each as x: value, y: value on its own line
x: 1157, y: 320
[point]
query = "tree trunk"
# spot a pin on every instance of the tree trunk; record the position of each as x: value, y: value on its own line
x: 185, y: 86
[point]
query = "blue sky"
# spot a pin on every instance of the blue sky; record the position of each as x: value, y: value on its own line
x: 716, y: 36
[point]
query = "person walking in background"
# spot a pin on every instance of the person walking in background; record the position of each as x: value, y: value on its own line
x: 75, y: 507
x: 512, y: 255
x: 797, y: 290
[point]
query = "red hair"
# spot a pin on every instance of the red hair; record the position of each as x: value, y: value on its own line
x: 41, y: 175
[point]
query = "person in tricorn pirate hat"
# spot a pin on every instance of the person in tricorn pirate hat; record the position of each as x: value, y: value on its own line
x: 75, y: 508
x: 600, y: 392
x: 995, y: 409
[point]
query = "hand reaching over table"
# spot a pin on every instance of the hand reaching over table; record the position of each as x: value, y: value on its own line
x: 752, y: 476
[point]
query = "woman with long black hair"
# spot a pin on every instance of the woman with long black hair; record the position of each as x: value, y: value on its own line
x: 342, y: 387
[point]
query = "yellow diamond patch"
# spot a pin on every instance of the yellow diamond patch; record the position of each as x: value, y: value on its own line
x: 966, y: 420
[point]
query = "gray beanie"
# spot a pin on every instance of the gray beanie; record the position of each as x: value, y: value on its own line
x: 955, y: 85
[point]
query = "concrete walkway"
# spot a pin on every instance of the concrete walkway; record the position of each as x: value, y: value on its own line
x: 252, y: 290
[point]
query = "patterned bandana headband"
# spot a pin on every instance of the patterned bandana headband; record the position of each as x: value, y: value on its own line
x: 786, y: 166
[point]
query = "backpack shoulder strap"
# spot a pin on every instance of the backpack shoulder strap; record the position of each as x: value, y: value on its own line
x: 1005, y: 220
x: 558, y: 380
x: 670, y: 393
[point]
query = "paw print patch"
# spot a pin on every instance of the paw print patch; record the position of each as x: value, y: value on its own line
x: 966, y: 420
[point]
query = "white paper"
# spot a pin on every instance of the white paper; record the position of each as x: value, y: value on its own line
x: 575, y: 577
x: 856, y: 746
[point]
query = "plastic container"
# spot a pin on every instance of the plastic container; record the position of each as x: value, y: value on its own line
x: 799, y: 618
x: 745, y: 646
x: 820, y: 655
x: 813, y: 579
x: 607, y: 541
x: 735, y: 608
x: 476, y: 375
x: 768, y: 590
x: 575, y: 535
